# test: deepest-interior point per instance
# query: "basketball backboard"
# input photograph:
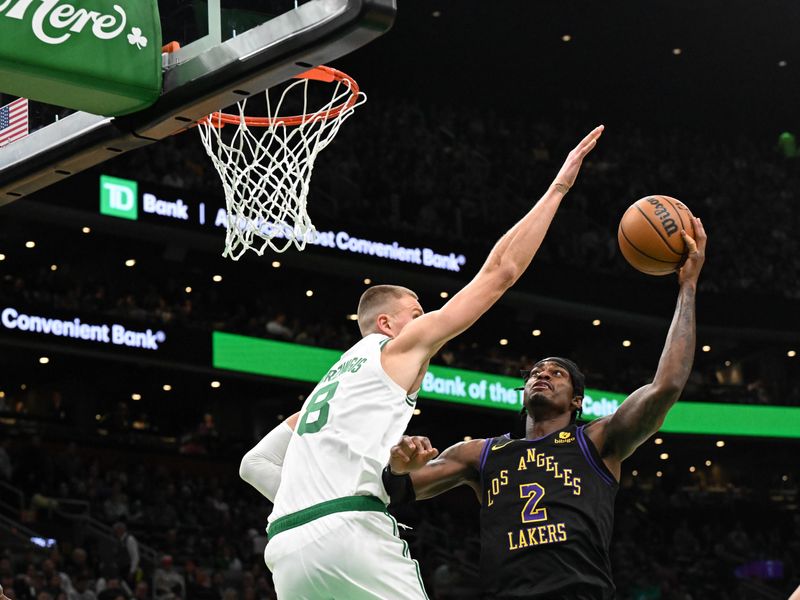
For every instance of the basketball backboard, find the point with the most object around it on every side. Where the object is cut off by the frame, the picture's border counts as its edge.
(229, 49)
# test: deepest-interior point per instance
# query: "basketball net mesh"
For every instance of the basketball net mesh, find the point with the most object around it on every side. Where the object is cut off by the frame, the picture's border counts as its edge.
(266, 166)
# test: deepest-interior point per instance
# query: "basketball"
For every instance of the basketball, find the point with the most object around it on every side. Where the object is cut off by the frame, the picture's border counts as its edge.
(649, 234)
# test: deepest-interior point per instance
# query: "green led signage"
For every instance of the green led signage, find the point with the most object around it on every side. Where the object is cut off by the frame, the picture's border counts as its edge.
(307, 363)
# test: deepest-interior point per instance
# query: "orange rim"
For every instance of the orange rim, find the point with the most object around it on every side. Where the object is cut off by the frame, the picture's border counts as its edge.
(321, 73)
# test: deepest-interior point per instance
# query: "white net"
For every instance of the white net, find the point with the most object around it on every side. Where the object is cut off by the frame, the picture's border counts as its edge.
(266, 164)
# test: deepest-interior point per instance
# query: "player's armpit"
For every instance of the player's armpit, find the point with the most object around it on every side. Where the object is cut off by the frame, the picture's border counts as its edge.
(458, 465)
(637, 418)
(422, 337)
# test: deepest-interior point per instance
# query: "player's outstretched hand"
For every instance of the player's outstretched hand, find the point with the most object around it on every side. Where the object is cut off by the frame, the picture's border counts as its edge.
(569, 170)
(690, 270)
(412, 452)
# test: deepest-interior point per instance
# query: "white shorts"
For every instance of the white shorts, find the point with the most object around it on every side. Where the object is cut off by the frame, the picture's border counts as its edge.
(344, 556)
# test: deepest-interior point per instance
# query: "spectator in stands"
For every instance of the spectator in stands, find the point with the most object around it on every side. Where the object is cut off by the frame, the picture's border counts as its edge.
(168, 584)
(276, 327)
(112, 589)
(81, 589)
(127, 556)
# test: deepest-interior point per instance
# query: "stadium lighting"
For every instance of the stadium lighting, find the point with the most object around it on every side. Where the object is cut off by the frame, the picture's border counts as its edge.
(417, 412)
(130, 262)
(188, 289)
(566, 37)
(626, 343)
(443, 294)
(352, 317)
(436, 14)
(785, 478)
(504, 342)
(659, 473)
(2, 257)
(708, 463)
(276, 264)
(706, 348)
(634, 472)
(536, 332)
(727, 363)
(720, 444)
(87, 230)
(692, 469)
(658, 441)
(2, 394)
(467, 438)
(782, 63)
(677, 51)
(43, 360)
(136, 396)
(663, 456)
(215, 384)
(596, 322)
(54, 267)
(309, 293)
(97, 417)
(367, 281)
(791, 353)
(30, 244)
(167, 387)
(216, 278)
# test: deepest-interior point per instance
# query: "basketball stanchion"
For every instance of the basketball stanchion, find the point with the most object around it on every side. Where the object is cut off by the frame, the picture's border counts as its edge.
(266, 163)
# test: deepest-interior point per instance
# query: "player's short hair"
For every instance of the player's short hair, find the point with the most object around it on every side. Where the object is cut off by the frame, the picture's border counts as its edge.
(376, 300)
(578, 379)
(576, 376)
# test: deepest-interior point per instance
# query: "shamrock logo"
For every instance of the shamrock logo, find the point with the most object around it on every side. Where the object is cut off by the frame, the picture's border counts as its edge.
(136, 38)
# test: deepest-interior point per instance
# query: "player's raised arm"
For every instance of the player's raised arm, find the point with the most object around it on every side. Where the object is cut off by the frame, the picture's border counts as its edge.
(507, 261)
(643, 412)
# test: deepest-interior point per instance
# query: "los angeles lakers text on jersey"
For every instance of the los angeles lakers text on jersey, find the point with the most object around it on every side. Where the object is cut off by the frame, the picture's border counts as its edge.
(546, 503)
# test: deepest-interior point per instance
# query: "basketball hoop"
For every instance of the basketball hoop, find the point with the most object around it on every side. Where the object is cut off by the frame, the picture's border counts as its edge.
(266, 164)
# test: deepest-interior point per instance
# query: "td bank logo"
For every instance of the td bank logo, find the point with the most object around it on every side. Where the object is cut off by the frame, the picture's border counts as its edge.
(119, 197)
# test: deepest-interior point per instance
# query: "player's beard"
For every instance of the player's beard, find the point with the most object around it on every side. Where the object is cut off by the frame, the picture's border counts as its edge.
(537, 400)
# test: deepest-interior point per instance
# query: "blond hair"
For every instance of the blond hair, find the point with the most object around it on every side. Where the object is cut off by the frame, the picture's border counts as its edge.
(376, 300)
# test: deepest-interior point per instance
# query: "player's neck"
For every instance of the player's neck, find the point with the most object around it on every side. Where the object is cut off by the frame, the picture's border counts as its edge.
(542, 426)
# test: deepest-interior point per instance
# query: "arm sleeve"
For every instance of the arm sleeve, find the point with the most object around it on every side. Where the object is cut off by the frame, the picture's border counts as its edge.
(261, 466)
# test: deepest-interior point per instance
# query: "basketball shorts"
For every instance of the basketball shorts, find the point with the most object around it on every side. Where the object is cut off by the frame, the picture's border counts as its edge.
(344, 556)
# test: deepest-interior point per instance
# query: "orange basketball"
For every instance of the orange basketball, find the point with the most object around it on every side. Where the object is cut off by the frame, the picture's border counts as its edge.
(649, 234)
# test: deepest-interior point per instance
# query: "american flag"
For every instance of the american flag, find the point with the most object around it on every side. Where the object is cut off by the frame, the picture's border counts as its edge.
(13, 121)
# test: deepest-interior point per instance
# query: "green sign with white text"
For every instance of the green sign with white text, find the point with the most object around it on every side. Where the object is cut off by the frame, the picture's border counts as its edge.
(98, 56)
(307, 363)
(119, 197)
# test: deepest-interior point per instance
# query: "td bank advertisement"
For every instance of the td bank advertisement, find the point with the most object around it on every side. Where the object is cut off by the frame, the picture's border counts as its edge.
(307, 363)
(128, 199)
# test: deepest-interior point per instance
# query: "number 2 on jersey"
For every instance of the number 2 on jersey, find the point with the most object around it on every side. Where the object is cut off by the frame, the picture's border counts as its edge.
(534, 493)
(316, 414)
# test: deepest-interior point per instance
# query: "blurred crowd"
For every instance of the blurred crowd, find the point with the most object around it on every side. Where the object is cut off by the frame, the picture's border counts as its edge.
(189, 529)
(465, 174)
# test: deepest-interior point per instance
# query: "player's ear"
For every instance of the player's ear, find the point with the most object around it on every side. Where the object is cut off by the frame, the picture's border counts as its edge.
(383, 324)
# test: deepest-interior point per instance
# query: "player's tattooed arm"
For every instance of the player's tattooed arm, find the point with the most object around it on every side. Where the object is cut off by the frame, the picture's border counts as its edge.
(458, 465)
(644, 411)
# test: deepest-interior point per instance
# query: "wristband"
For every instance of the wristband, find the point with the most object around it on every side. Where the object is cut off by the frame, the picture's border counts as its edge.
(399, 487)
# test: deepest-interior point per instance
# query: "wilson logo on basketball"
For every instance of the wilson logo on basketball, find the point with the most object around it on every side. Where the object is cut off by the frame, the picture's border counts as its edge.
(51, 17)
(663, 215)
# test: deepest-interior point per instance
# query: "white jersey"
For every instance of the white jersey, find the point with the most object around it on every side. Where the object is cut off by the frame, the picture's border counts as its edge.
(345, 432)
